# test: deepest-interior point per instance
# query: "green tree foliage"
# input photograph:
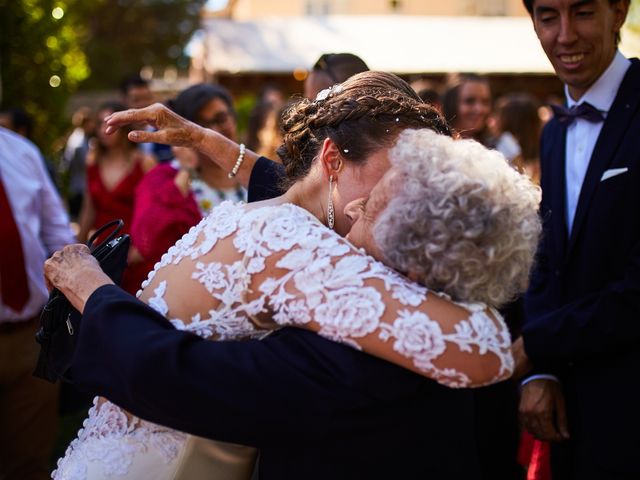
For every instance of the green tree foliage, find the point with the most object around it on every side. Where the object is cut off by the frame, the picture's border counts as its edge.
(41, 61)
(125, 35)
(50, 48)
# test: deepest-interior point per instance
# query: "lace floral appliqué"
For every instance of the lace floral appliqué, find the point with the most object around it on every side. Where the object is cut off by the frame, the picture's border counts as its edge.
(321, 278)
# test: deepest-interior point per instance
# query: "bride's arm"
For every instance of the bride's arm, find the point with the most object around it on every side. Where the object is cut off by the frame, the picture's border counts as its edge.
(300, 274)
(351, 298)
(292, 271)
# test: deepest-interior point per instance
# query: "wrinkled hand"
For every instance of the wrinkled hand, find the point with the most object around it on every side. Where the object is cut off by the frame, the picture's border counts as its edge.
(171, 128)
(542, 410)
(76, 273)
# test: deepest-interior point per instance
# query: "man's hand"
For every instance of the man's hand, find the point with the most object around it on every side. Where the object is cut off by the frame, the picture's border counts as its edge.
(522, 363)
(542, 410)
(76, 273)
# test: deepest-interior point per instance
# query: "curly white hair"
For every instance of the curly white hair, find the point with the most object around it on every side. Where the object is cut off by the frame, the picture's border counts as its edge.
(460, 218)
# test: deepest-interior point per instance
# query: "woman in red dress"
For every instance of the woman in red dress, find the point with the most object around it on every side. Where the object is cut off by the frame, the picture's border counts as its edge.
(115, 166)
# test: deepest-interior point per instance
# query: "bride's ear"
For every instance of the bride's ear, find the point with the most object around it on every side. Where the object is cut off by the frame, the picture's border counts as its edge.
(330, 158)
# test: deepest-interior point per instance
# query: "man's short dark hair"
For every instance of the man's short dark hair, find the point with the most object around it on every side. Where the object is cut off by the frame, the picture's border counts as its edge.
(132, 81)
(528, 4)
(21, 121)
(339, 66)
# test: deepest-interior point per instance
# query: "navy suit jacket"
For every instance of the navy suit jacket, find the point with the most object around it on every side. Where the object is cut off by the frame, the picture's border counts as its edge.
(265, 180)
(583, 306)
(315, 408)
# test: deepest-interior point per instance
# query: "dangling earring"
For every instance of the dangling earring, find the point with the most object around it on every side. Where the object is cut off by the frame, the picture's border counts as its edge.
(330, 211)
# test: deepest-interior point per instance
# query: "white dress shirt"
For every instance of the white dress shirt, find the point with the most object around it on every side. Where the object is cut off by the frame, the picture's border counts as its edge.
(41, 219)
(582, 134)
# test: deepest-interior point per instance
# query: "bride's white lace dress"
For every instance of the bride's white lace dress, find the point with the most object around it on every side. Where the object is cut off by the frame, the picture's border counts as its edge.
(243, 271)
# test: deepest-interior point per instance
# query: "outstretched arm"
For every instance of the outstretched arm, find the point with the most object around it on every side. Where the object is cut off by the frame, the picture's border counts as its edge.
(172, 129)
(353, 299)
(293, 271)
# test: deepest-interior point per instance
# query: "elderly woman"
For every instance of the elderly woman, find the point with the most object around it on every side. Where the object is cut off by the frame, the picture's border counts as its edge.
(434, 222)
(247, 269)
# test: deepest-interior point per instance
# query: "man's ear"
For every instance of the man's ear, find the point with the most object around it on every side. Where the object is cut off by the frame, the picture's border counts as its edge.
(330, 158)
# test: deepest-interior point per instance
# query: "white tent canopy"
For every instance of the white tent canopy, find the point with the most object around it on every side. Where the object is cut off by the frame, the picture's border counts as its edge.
(400, 44)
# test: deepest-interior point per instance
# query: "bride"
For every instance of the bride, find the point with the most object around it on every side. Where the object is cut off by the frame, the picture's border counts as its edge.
(449, 214)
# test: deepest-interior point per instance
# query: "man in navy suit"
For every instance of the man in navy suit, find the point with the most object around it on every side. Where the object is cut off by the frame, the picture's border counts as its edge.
(582, 327)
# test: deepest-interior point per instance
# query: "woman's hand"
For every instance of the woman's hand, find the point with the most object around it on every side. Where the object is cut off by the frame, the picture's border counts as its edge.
(76, 273)
(171, 128)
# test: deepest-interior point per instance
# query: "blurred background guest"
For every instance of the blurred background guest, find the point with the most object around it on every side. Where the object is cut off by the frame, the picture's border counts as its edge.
(332, 68)
(74, 157)
(33, 224)
(273, 94)
(210, 106)
(431, 96)
(467, 105)
(18, 120)
(114, 168)
(174, 196)
(518, 127)
(136, 92)
(263, 130)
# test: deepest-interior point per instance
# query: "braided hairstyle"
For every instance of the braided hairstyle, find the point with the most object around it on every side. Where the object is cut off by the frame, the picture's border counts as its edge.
(366, 113)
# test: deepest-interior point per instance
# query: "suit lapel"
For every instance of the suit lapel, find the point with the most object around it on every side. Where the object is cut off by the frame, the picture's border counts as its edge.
(614, 128)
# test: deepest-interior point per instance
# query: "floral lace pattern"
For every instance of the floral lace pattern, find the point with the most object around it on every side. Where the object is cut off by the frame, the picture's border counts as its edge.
(323, 279)
(112, 440)
(293, 270)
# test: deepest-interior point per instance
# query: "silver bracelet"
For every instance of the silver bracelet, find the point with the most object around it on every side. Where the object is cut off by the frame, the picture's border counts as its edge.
(540, 376)
(236, 167)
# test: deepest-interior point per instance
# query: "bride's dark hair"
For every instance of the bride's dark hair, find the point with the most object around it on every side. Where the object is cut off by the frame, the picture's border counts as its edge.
(362, 115)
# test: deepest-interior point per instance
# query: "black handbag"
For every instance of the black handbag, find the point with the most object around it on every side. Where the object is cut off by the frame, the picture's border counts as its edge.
(59, 321)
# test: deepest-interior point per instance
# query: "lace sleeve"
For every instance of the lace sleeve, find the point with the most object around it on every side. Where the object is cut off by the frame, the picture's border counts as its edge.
(243, 270)
(314, 279)
(201, 283)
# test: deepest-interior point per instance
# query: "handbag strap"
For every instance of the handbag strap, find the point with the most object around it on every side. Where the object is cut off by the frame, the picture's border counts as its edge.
(96, 249)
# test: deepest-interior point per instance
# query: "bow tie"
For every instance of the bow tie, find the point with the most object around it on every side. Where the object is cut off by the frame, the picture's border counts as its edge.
(567, 116)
